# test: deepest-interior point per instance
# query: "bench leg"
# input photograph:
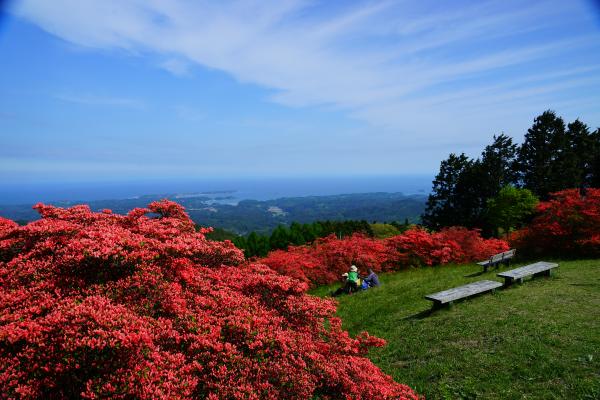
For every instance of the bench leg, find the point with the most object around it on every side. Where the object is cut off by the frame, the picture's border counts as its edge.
(507, 281)
(543, 273)
(520, 281)
(436, 305)
(485, 268)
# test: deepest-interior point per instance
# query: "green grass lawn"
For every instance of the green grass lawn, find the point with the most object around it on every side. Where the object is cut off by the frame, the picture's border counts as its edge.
(538, 340)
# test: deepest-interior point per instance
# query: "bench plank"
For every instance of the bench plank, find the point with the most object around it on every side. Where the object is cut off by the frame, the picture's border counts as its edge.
(531, 269)
(460, 292)
(496, 259)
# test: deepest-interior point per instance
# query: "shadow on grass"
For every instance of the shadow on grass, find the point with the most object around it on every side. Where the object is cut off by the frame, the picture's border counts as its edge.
(479, 273)
(475, 274)
(420, 315)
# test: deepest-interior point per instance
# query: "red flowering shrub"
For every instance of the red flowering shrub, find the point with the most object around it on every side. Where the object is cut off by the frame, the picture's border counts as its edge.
(358, 249)
(451, 245)
(566, 225)
(324, 260)
(472, 246)
(299, 262)
(327, 258)
(419, 247)
(141, 306)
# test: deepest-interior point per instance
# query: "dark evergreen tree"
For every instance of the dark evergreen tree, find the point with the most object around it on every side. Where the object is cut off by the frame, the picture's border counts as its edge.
(220, 234)
(551, 158)
(540, 155)
(568, 161)
(252, 245)
(442, 203)
(241, 243)
(280, 238)
(308, 233)
(577, 172)
(461, 189)
(498, 166)
(469, 199)
(296, 235)
(594, 170)
(318, 229)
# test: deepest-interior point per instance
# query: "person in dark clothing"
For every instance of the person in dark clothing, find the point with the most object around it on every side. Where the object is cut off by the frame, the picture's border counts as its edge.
(342, 289)
(350, 284)
(372, 279)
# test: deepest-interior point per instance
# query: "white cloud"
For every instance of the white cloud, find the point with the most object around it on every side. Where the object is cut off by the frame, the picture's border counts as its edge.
(176, 67)
(110, 101)
(390, 63)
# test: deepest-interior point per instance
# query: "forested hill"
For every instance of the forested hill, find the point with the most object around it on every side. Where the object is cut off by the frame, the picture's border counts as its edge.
(263, 216)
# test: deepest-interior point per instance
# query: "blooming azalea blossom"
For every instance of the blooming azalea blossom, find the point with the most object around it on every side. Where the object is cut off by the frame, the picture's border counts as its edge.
(100, 305)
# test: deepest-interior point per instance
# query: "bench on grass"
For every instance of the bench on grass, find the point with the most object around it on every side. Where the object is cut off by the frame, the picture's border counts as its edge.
(497, 259)
(536, 269)
(449, 296)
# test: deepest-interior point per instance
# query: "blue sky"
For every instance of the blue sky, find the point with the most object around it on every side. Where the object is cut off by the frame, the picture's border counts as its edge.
(117, 90)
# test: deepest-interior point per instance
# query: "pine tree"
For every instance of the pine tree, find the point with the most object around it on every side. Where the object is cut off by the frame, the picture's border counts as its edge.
(252, 245)
(442, 203)
(469, 198)
(296, 235)
(582, 152)
(594, 168)
(542, 147)
(280, 238)
(498, 166)
(308, 233)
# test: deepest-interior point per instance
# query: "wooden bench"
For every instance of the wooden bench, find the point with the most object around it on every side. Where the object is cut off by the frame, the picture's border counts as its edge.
(497, 259)
(536, 269)
(449, 296)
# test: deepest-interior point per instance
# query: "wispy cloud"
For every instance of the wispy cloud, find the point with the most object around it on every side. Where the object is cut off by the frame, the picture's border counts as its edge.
(375, 60)
(176, 67)
(189, 113)
(90, 99)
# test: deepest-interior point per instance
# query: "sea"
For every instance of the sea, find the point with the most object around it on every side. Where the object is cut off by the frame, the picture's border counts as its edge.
(224, 190)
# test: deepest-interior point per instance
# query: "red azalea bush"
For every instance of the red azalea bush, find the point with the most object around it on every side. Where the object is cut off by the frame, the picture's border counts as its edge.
(357, 249)
(324, 261)
(567, 225)
(327, 258)
(98, 305)
(451, 245)
(473, 247)
(299, 262)
(419, 247)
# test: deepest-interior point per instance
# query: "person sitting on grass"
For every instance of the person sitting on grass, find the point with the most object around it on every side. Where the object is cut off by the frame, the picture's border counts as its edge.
(342, 289)
(372, 279)
(353, 280)
(350, 283)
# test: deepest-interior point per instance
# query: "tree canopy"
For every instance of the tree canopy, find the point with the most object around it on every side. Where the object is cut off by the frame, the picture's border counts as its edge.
(552, 157)
(510, 207)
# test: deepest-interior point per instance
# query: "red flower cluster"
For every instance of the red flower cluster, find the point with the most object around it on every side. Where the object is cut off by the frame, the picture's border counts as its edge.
(566, 225)
(324, 260)
(99, 305)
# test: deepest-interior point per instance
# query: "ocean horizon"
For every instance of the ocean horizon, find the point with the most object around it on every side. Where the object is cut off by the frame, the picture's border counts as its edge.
(234, 189)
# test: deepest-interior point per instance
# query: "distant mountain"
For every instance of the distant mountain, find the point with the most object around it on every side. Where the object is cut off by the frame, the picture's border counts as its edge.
(261, 216)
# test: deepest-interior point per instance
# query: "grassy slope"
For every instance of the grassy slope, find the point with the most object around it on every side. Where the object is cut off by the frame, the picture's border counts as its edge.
(539, 340)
